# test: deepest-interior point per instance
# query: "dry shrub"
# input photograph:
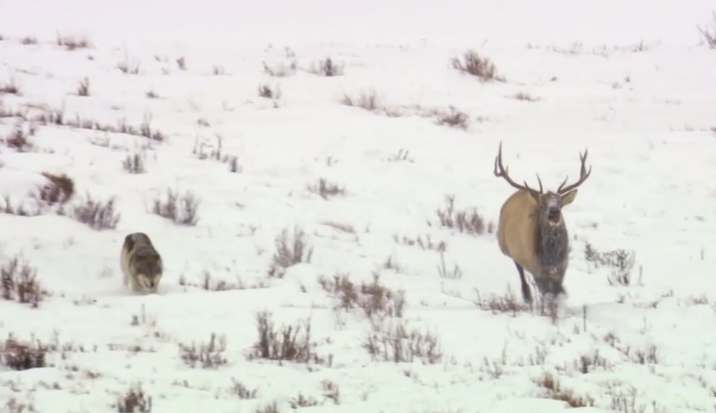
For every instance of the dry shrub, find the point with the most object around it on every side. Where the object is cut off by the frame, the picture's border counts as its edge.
(234, 166)
(281, 69)
(14, 406)
(289, 343)
(302, 401)
(475, 65)
(507, 303)
(379, 301)
(624, 398)
(99, 215)
(144, 129)
(269, 92)
(587, 363)
(694, 300)
(392, 264)
(28, 40)
(73, 42)
(525, 97)
(58, 190)
(347, 228)
(326, 67)
(553, 390)
(12, 112)
(19, 140)
(424, 242)
(18, 282)
(241, 391)
(134, 401)
(375, 299)
(203, 149)
(181, 63)
(208, 284)
(51, 116)
(326, 189)
(11, 87)
(649, 354)
(467, 221)
(619, 261)
(290, 250)
(708, 33)
(394, 342)
(271, 407)
(19, 210)
(454, 119)
(128, 68)
(331, 391)
(454, 274)
(134, 164)
(21, 355)
(181, 209)
(83, 87)
(367, 100)
(402, 155)
(207, 355)
(143, 318)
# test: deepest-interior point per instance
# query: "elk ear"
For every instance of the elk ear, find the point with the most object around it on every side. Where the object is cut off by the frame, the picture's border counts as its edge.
(568, 197)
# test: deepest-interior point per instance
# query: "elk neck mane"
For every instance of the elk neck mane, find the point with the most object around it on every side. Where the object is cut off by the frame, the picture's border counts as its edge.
(551, 242)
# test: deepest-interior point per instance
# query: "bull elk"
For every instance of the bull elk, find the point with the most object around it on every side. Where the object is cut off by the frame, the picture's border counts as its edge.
(532, 231)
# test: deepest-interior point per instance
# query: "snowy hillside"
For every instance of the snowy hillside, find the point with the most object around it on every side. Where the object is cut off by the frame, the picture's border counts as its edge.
(294, 164)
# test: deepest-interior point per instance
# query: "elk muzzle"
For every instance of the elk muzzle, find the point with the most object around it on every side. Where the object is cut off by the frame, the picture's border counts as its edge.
(554, 215)
(549, 286)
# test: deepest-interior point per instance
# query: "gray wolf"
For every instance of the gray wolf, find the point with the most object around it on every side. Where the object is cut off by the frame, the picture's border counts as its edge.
(141, 263)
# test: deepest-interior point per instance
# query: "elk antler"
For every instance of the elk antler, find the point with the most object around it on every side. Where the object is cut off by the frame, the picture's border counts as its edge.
(502, 172)
(583, 175)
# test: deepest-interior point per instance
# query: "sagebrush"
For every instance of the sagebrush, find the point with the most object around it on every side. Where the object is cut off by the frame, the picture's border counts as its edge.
(287, 343)
(19, 282)
(291, 249)
(182, 209)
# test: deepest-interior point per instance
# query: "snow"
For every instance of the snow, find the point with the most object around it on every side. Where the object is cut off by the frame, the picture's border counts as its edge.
(629, 81)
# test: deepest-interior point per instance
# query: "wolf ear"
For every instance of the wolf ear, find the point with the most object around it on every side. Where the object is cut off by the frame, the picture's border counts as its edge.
(129, 242)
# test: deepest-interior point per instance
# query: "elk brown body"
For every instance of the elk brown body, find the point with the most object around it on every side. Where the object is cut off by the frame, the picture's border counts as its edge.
(532, 231)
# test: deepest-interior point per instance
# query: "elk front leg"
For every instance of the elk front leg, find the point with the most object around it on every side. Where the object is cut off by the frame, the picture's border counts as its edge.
(526, 292)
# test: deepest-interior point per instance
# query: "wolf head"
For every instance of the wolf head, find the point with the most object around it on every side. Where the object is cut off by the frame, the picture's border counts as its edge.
(149, 271)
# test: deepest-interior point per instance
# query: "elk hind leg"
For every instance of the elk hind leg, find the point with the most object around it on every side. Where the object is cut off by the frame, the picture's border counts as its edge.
(526, 293)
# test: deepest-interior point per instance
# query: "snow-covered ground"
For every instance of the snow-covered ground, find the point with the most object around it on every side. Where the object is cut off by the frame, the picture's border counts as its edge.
(628, 80)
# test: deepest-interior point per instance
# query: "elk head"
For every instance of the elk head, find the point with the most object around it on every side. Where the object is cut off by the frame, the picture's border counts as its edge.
(549, 204)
